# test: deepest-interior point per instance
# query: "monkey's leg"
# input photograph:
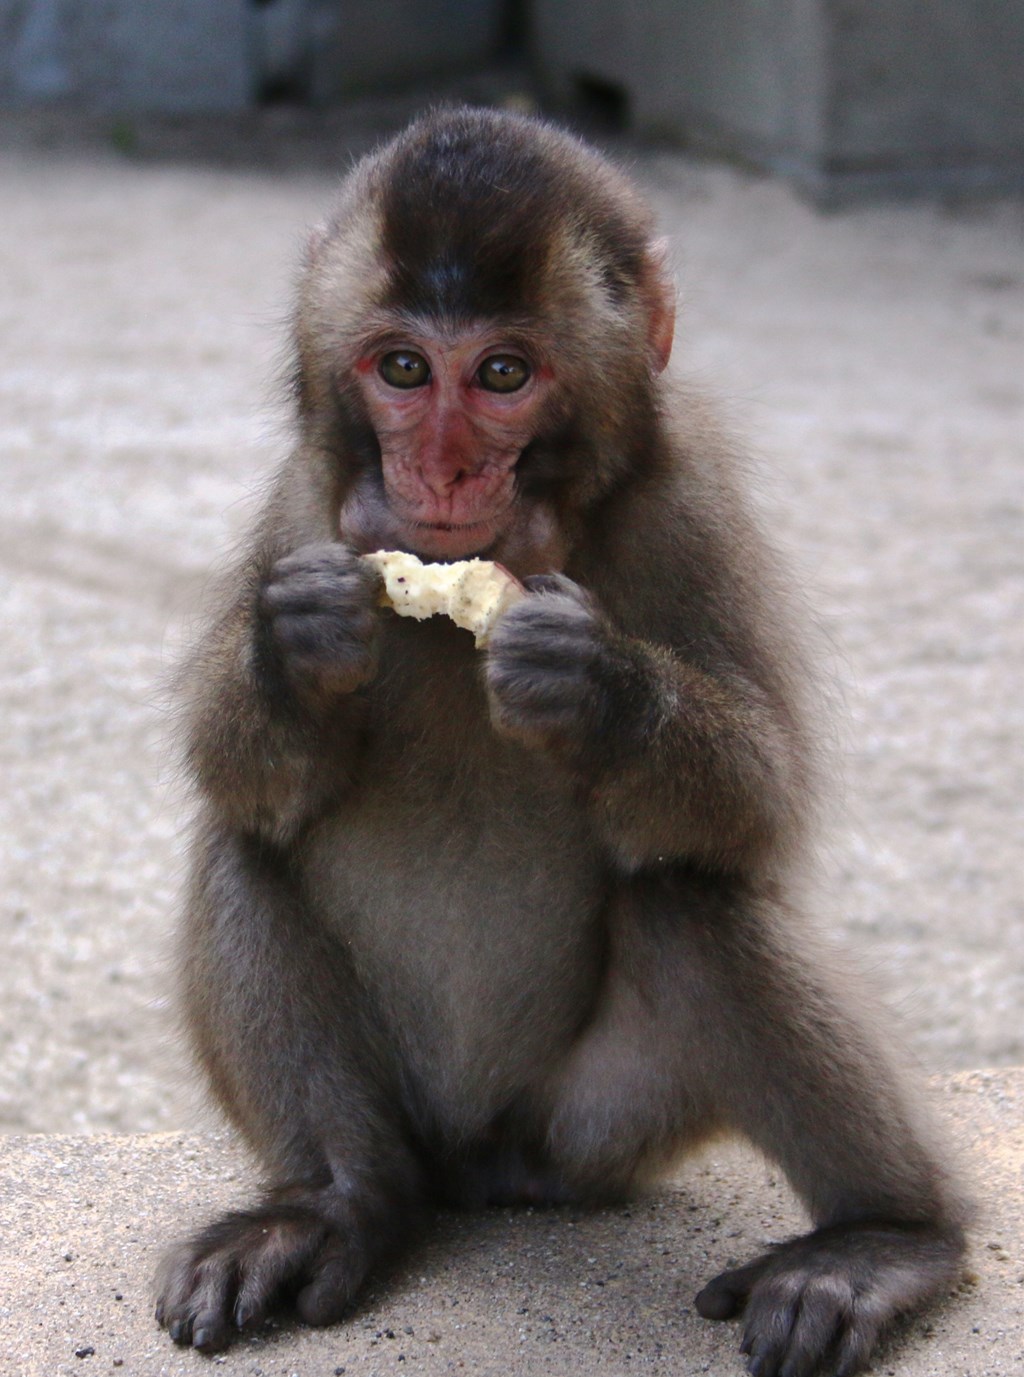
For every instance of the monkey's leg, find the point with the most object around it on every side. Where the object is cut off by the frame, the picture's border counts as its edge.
(714, 1016)
(303, 1073)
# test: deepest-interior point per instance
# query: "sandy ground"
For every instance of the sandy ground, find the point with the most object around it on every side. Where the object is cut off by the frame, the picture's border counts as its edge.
(875, 359)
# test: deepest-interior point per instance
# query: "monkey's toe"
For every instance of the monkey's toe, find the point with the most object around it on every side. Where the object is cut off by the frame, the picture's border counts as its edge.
(725, 1296)
(230, 1277)
(793, 1324)
(328, 1296)
(194, 1304)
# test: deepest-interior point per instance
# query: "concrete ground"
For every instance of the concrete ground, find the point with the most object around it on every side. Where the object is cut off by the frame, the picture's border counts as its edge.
(504, 1294)
(874, 358)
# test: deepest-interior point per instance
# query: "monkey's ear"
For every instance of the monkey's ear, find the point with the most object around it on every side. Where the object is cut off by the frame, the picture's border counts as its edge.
(316, 238)
(659, 293)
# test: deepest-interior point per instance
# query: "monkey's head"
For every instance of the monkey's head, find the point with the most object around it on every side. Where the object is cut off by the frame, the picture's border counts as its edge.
(479, 327)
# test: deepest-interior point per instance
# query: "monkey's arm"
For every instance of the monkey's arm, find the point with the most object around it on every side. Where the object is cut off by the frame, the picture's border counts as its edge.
(677, 760)
(272, 692)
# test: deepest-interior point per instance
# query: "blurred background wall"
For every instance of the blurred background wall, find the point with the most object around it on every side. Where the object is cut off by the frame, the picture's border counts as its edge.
(842, 96)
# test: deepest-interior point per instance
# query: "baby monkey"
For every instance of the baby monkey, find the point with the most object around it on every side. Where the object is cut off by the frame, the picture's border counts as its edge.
(518, 923)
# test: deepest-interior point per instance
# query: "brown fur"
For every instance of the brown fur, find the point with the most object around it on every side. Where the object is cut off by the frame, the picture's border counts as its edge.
(519, 926)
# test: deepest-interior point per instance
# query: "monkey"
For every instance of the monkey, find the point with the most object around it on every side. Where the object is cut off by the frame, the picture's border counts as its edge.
(521, 924)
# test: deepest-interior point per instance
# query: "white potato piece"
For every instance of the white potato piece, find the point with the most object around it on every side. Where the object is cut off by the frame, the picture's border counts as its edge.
(472, 592)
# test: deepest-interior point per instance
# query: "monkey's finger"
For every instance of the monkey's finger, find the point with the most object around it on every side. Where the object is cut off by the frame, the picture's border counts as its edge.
(555, 657)
(858, 1339)
(767, 1334)
(264, 1278)
(315, 591)
(325, 556)
(539, 648)
(538, 689)
(551, 610)
(539, 651)
(320, 635)
(337, 1275)
(206, 1323)
(725, 1296)
(174, 1310)
(282, 1253)
(211, 1332)
(794, 1321)
(557, 585)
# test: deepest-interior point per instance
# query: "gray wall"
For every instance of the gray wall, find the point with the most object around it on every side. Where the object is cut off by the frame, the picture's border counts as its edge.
(220, 55)
(171, 55)
(841, 94)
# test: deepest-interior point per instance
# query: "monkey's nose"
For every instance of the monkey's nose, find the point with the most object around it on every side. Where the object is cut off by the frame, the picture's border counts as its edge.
(442, 475)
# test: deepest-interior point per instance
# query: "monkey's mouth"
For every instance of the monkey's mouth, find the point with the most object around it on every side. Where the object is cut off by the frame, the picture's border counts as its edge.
(455, 539)
(459, 539)
(457, 527)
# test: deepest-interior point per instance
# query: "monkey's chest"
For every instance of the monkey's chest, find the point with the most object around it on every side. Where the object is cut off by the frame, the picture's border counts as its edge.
(465, 882)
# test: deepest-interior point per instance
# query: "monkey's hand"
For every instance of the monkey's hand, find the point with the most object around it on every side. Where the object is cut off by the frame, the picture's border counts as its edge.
(677, 762)
(550, 666)
(819, 1304)
(317, 623)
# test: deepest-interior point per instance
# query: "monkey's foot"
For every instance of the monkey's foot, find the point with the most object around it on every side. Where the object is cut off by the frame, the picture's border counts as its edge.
(230, 1276)
(819, 1304)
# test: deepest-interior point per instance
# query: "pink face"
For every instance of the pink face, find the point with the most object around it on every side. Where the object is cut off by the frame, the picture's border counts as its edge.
(452, 417)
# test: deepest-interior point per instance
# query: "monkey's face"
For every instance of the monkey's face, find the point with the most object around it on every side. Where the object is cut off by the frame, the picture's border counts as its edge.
(478, 331)
(452, 413)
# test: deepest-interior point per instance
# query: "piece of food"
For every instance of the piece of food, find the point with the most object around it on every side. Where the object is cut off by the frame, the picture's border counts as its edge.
(472, 592)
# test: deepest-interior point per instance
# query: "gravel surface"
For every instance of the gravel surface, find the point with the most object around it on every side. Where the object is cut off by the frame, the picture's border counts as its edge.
(875, 358)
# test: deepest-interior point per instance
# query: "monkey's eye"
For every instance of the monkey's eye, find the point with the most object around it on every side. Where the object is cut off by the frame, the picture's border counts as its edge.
(403, 368)
(503, 373)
